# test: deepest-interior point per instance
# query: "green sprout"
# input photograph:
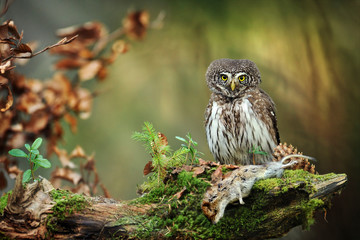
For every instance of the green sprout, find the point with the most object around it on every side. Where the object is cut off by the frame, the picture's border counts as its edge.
(34, 158)
(163, 158)
(256, 150)
(190, 145)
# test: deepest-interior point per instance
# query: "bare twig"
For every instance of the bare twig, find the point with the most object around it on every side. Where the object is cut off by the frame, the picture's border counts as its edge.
(63, 41)
(103, 42)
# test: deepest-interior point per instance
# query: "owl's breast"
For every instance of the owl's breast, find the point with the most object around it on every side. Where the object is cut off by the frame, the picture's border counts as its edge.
(220, 131)
(233, 129)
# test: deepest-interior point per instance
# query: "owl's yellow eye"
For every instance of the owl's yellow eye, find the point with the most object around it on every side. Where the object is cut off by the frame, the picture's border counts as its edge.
(242, 78)
(224, 77)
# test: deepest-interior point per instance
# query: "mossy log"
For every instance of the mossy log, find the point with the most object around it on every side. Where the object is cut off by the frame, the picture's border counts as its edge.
(172, 211)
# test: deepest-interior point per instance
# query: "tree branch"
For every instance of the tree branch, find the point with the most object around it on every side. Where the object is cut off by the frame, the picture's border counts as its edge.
(40, 212)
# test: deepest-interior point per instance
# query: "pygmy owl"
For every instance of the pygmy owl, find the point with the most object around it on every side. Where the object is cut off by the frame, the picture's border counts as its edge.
(240, 118)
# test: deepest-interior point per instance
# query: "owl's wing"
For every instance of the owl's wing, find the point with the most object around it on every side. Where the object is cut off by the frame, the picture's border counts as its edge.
(208, 109)
(265, 108)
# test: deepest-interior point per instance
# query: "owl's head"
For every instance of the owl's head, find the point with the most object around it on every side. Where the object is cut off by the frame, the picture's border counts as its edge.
(230, 77)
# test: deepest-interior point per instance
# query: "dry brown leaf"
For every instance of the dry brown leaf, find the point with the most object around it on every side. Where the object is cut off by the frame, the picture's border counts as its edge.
(70, 63)
(217, 175)
(148, 168)
(180, 193)
(87, 33)
(163, 139)
(16, 140)
(34, 85)
(75, 50)
(5, 66)
(6, 97)
(22, 48)
(5, 119)
(136, 23)
(38, 121)
(208, 163)
(90, 166)
(82, 188)
(18, 127)
(89, 70)
(66, 174)
(81, 102)
(231, 166)
(78, 152)
(64, 158)
(12, 29)
(8, 30)
(30, 102)
(13, 171)
(198, 170)
(72, 121)
(102, 73)
(202, 161)
(22, 61)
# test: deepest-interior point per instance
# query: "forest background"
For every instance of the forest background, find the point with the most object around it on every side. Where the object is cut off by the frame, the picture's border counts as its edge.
(307, 53)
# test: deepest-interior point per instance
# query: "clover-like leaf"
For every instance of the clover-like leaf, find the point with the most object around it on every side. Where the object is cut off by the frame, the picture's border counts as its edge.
(17, 153)
(36, 143)
(26, 176)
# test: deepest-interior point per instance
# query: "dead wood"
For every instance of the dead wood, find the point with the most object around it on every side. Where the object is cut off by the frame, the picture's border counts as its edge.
(29, 213)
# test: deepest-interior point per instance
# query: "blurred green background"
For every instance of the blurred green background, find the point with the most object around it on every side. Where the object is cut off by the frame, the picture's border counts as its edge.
(307, 53)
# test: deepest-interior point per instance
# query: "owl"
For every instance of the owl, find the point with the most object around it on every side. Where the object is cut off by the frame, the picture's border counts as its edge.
(240, 118)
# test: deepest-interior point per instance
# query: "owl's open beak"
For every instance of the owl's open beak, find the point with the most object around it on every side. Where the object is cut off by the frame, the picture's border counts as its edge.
(232, 84)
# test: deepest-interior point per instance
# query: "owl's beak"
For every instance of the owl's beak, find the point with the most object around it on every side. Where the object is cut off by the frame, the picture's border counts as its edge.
(232, 84)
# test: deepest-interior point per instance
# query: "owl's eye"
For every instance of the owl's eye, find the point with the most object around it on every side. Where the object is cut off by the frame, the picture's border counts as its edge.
(242, 78)
(224, 77)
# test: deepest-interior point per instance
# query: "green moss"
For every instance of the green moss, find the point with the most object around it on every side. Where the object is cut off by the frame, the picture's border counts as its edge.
(268, 184)
(308, 208)
(291, 178)
(66, 204)
(3, 201)
(184, 218)
(175, 215)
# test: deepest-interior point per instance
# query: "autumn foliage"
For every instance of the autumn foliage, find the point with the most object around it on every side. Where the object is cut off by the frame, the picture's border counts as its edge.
(30, 108)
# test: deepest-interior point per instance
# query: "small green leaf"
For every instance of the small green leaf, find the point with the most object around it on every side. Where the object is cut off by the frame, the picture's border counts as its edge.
(17, 153)
(34, 151)
(26, 176)
(27, 146)
(36, 143)
(43, 162)
(36, 166)
(181, 139)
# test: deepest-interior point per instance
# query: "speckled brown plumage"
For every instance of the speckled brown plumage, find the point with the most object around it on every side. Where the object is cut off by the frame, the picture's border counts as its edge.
(239, 115)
